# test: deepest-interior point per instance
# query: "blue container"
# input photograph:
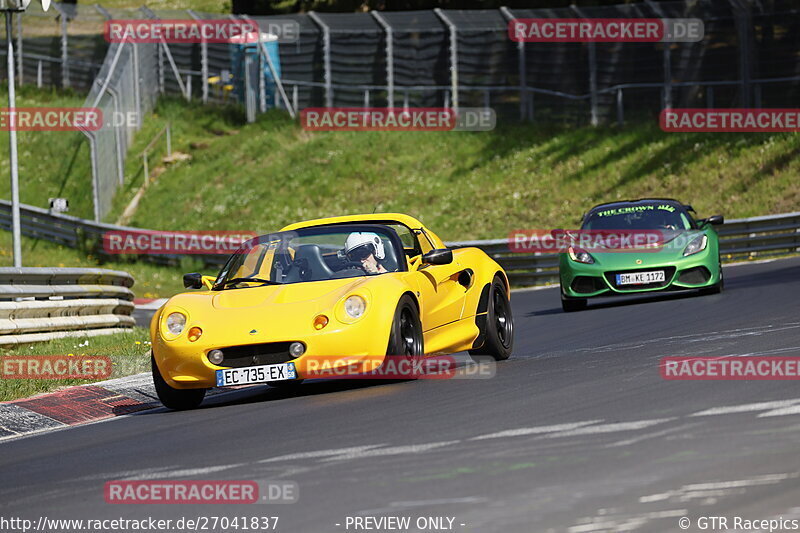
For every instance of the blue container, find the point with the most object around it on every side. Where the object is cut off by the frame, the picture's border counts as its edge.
(244, 50)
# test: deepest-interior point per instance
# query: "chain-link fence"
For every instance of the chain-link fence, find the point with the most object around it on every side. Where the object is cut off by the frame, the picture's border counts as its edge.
(749, 57)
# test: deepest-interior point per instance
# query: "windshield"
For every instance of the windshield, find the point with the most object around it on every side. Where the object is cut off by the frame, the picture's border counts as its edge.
(638, 217)
(313, 254)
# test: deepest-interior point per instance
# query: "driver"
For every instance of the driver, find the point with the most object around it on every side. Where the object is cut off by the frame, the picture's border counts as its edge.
(367, 249)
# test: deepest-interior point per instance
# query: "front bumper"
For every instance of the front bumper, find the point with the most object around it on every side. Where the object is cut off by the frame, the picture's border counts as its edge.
(579, 280)
(184, 364)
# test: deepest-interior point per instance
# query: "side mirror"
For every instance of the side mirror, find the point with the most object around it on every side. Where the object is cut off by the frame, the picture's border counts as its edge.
(193, 281)
(714, 220)
(442, 256)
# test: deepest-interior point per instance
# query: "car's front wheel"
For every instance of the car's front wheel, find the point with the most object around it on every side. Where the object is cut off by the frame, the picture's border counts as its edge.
(499, 336)
(405, 337)
(716, 288)
(176, 399)
(570, 305)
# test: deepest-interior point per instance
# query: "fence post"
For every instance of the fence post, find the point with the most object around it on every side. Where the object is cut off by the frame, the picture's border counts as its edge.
(522, 66)
(326, 51)
(620, 109)
(39, 80)
(389, 57)
(744, 22)
(667, 59)
(595, 117)
(65, 82)
(453, 56)
(95, 184)
(203, 58)
(295, 97)
(18, 51)
(118, 137)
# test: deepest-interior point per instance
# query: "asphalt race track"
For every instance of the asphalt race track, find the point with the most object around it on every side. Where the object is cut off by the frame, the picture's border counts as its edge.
(576, 432)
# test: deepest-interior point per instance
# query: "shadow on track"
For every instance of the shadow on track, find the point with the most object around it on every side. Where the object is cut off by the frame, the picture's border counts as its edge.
(622, 301)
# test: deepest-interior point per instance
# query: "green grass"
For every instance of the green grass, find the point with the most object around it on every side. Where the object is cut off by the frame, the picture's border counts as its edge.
(129, 352)
(463, 185)
(201, 6)
(262, 176)
(51, 163)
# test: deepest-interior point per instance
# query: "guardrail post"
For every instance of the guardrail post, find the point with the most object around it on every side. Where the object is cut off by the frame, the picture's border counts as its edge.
(387, 28)
(326, 52)
(453, 56)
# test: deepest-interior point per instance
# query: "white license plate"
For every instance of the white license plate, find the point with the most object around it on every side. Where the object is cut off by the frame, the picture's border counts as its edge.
(255, 374)
(640, 278)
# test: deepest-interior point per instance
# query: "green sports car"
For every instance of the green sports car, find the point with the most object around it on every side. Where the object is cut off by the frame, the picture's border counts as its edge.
(678, 252)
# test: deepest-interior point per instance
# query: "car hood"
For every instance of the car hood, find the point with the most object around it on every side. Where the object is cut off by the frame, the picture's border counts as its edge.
(668, 248)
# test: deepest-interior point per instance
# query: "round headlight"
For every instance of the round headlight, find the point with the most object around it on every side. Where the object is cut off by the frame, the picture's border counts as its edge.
(355, 306)
(176, 322)
(296, 349)
(215, 356)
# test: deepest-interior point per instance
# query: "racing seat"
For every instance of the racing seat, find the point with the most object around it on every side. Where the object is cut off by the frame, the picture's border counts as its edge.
(308, 265)
(390, 261)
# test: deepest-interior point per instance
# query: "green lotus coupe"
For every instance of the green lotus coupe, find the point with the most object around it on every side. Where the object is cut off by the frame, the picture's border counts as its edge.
(672, 251)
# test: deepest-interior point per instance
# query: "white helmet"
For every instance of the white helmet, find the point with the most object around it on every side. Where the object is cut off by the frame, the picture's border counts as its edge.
(358, 239)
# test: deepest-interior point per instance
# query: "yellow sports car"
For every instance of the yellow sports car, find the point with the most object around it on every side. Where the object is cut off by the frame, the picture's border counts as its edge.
(355, 287)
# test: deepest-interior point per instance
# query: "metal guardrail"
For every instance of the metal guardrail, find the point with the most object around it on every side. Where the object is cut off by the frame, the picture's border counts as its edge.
(38, 304)
(739, 239)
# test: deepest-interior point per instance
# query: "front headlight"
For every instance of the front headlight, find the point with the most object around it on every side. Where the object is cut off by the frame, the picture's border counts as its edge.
(355, 306)
(176, 322)
(580, 256)
(698, 244)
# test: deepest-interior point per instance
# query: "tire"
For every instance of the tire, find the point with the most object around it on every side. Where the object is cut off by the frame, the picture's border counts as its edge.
(715, 289)
(175, 399)
(499, 335)
(405, 337)
(570, 305)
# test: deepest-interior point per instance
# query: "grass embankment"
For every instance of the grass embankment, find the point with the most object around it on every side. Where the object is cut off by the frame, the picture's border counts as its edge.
(261, 176)
(129, 352)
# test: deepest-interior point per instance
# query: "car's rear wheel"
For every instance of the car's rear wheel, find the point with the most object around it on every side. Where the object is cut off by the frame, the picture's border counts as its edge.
(405, 337)
(499, 335)
(176, 399)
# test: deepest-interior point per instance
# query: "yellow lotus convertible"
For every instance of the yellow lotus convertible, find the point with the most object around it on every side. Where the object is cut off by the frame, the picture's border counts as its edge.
(355, 288)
